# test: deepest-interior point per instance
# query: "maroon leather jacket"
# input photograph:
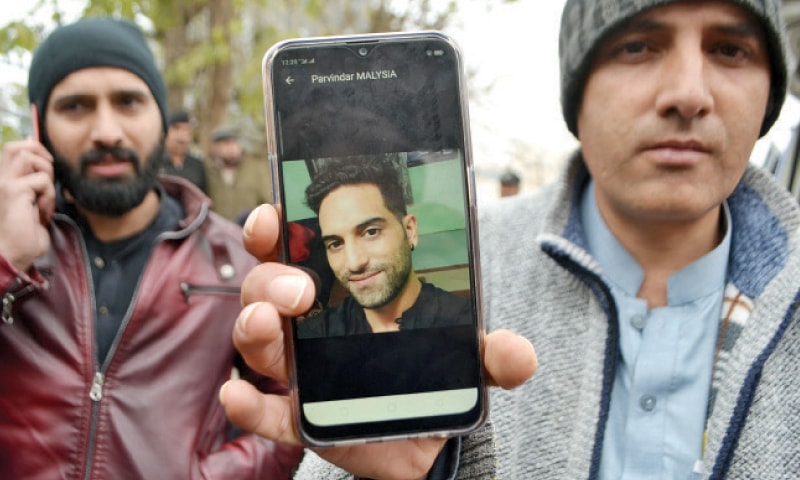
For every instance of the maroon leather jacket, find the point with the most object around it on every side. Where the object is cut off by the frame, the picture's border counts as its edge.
(151, 411)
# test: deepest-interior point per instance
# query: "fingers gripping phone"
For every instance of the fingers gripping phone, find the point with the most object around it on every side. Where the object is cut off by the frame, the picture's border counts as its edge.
(369, 143)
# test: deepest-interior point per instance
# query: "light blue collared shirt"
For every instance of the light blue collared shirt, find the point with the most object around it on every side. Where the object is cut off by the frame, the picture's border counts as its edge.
(663, 376)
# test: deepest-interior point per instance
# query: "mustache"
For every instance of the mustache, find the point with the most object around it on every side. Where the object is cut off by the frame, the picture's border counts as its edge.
(367, 269)
(117, 153)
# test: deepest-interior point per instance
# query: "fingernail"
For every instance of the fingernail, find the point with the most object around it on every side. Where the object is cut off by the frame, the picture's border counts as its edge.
(222, 392)
(288, 287)
(250, 222)
(244, 317)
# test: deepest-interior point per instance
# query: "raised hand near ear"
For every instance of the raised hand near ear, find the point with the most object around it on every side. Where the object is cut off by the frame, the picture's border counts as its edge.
(27, 202)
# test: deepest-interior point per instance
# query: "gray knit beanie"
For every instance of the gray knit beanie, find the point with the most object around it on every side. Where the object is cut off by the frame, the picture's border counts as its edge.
(586, 23)
(93, 42)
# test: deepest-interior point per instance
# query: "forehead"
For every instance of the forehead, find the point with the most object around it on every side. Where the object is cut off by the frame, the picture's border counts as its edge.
(712, 15)
(352, 204)
(99, 81)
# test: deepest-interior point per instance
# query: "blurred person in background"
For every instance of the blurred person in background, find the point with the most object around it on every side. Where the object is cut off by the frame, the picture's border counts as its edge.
(236, 183)
(179, 160)
(509, 184)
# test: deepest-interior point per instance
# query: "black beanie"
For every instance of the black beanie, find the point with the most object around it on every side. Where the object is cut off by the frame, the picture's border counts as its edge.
(586, 23)
(93, 42)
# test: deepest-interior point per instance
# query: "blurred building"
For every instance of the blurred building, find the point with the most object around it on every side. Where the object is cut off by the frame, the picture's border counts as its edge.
(785, 164)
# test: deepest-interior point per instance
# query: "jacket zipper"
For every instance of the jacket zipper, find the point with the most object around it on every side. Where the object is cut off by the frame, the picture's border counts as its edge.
(98, 381)
(96, 390)
(598, 287)
(8, 302)
(189, 289)
(8, 308)
(95, 394)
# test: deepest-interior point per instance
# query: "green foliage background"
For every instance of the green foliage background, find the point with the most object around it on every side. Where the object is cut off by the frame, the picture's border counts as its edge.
(211, 50)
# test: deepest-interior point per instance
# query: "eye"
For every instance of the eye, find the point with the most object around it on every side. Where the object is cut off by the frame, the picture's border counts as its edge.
(130, 100)
(731, 51)
(632, 50)
(72, 106)
(631, 47)
(372, 232)
(333, 245)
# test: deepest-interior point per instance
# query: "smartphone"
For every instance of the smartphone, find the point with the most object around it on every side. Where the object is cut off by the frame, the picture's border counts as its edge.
(35, 135)
(369, 145)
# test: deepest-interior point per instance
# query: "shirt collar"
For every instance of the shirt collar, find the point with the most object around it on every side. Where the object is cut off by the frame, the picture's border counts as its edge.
(696, 280)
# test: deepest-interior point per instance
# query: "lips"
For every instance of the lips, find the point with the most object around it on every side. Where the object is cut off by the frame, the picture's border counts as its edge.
(677, 152)
(362, 277)
(109, 166)
(109, 162)
(682, 145)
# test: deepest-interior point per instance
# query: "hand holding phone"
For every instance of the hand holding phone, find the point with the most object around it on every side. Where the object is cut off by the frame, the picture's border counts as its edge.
(369, 142)
(273, 290)
(27, 199)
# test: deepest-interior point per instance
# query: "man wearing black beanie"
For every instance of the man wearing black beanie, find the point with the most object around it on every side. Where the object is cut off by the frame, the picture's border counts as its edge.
(94, 42)
(658, 278)
(119, 288)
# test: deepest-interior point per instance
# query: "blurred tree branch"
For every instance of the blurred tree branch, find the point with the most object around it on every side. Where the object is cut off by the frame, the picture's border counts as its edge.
(211, 50)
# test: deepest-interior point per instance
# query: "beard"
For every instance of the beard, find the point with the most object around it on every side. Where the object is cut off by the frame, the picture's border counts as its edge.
(109, 196)
(397, 270)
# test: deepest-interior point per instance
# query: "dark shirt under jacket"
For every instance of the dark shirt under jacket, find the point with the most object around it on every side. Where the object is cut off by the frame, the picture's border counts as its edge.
(193, 169)
(117, 266)
(434, 308)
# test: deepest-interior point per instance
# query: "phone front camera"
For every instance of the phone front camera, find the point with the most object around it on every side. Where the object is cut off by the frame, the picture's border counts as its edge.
(363, 51)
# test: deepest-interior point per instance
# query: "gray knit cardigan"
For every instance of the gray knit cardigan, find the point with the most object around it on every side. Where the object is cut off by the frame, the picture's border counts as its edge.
(541, 282)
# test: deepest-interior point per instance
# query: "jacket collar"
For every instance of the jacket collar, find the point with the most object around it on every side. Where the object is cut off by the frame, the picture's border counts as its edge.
(195, 203)
(765, 218)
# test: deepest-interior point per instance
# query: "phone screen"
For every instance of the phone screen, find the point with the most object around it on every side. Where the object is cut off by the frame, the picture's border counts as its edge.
(373, 175)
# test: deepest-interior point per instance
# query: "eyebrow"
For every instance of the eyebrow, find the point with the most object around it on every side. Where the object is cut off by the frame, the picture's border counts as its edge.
(737, 28)
(740, 29)
(69, 98)
(125, 92)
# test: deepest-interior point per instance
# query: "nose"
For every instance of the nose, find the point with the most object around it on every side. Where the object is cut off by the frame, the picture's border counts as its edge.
(685, 87)
(355, 257)
(106, 129)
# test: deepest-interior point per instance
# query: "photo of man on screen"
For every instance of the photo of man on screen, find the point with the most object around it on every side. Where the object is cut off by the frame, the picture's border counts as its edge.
(368, 236)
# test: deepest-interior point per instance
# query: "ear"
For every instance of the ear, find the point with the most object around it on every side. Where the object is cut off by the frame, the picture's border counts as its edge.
(410, 225)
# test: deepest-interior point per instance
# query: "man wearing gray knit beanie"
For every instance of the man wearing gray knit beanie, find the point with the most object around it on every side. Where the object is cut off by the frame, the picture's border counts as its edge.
(657, 279)
(119, 287)
(662, 295)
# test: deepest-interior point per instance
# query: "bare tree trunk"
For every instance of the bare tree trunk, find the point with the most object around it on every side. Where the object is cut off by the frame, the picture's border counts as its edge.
(218, 86)
(171, 32)
(176, 48)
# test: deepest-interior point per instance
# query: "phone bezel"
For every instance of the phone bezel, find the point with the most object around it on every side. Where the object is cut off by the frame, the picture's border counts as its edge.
(367, 41)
